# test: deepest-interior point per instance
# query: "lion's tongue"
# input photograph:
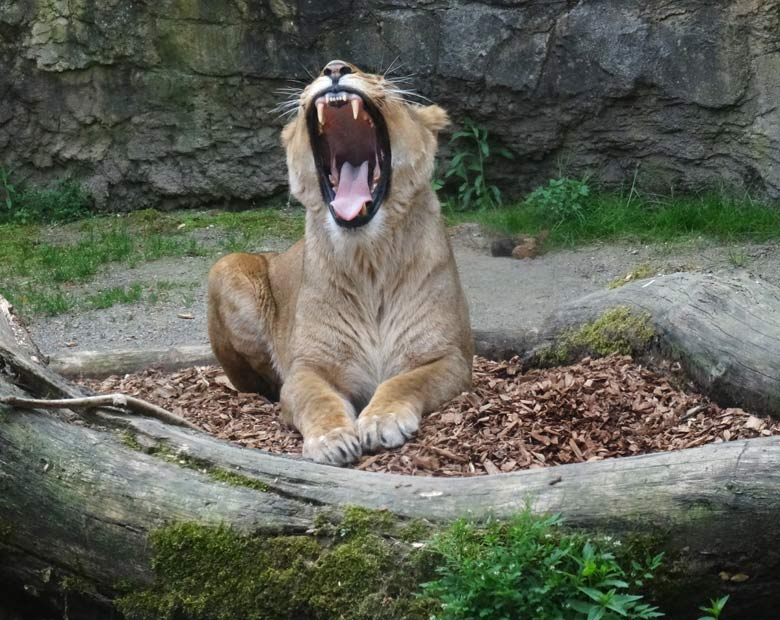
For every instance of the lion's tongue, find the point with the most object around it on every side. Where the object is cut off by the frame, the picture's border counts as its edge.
(353, 191)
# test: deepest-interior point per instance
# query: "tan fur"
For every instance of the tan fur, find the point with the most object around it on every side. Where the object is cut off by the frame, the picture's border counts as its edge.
(361, 331)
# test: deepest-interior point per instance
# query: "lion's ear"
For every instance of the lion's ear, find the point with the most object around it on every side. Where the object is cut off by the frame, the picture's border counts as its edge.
(433, 117)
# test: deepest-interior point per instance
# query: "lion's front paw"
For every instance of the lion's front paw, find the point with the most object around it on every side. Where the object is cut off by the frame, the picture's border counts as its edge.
(337, 447)
(386, 429)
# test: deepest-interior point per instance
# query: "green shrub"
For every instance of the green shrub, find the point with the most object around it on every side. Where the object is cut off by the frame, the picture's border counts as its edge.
(562, 199)
(528, 568)
(66, 201)
(715, 609)
(472, 155)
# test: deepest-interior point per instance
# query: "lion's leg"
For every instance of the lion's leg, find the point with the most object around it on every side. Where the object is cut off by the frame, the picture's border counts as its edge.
(393, 414)
(323, 417)
(241, 316)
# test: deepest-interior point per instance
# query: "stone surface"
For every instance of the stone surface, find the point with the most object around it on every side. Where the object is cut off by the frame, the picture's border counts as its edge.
(171, 103)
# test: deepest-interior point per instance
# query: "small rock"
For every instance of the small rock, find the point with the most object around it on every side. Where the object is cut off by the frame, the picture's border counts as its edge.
(528, 247)
(502, 247)
(183, 315)
(71, 343)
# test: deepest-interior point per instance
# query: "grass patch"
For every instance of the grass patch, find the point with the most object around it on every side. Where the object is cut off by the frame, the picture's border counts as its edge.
(258, 223)
(576, 217)
(39, 266)
(66, 201)
(115, 295)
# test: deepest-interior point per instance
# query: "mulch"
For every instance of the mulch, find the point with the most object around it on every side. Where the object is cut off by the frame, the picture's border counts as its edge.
(593, 410)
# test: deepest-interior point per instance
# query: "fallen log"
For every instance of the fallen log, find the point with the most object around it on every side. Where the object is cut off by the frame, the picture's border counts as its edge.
(97, 364)
(80, 494)
(724, 331)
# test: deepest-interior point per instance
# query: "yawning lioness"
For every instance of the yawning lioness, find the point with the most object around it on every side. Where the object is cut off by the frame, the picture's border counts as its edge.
(361, 327)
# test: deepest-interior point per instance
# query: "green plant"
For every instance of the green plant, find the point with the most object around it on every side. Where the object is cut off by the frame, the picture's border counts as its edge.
(472, 155)
(530, 568)
(115, 295)
(9, 192)
(738, 257)
(715, 609)
(564, 199)
(66, 201)
(646, 218)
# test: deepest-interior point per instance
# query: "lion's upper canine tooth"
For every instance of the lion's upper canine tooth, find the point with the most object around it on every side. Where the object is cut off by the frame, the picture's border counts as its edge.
(355, 108)
(321, 112)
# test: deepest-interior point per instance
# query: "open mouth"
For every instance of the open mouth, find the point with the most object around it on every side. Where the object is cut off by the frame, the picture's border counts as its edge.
(352, 151)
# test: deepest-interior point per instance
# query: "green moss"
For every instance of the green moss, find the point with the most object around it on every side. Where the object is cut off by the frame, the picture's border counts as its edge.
(237, 480)
(181, 459)
(416, 530)
(359, 521)
(129, 440)
(219, 573)
(641, 272)
(619, 330)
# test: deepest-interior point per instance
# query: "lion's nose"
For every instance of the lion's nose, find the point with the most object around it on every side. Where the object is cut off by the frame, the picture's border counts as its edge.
(335, 69)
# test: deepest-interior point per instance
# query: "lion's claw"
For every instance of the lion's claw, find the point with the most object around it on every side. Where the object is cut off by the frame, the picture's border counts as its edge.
(337, 447)
(386, 430)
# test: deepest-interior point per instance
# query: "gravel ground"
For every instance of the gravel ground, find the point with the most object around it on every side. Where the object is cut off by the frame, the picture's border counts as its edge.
(503, 293)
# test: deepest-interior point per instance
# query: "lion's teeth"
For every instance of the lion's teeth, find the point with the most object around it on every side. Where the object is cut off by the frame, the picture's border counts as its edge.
(321, 112)
(363, 210)
(355, 108)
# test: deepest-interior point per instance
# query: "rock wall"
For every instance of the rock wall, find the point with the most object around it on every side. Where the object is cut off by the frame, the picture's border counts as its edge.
(170, 102)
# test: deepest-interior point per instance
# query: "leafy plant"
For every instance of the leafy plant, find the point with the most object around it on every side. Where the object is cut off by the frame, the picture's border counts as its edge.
(472, 155)
(715, 609)
(9, 190)
(66, 201)
(563, 198)
(530, 568)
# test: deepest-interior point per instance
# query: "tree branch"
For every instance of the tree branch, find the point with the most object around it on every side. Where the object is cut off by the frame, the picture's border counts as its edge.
(122, 401)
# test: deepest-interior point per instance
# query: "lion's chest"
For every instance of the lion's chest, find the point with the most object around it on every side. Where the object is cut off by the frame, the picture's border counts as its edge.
(390, 338)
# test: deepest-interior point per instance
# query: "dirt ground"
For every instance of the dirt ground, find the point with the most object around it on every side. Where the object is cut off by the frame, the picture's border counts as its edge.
(503, 293)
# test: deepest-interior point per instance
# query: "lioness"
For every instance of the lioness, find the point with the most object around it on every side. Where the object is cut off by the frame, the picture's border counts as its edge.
(361, 327)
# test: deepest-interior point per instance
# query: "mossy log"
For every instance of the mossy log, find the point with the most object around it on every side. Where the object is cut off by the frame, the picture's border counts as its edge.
(81, 493)
(724, 331)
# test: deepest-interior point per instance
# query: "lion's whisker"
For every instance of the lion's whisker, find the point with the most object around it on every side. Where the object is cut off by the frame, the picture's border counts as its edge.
(401, 95)
(392, 66)
(309, 73)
